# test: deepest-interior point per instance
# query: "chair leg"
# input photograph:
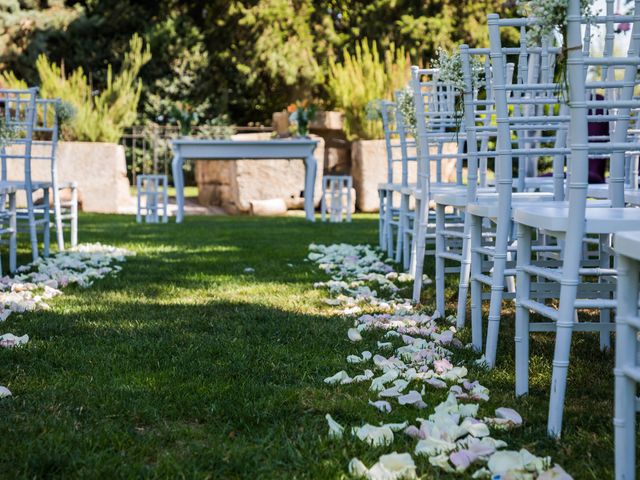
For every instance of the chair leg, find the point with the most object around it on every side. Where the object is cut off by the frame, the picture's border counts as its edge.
(497, 290)
(57, 213)
(522, 314)
(388, 218)
(476, 285)
(46, 225)
(349, 187)
(624, 421)
(605, 313)
(465, 272)
(13, 238)
(381, 220)
(74, 216)
(33, 233)
(440, 262)
(419, 233)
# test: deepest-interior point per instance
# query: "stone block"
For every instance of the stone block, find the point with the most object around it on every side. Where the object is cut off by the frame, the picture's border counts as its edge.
(239, 182)
(99, 169)
(369, 169)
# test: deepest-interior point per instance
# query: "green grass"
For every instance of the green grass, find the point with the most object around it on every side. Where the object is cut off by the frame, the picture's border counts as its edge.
(185, 367)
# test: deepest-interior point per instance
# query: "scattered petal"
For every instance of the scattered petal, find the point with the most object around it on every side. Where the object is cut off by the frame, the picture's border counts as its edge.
(335, 429)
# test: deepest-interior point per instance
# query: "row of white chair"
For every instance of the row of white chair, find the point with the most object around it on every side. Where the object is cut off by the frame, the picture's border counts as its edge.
(547, 233)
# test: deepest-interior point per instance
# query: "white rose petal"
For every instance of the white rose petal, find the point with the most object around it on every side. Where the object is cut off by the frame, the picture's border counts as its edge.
(354, 335)
(373, 435)
(335, 429)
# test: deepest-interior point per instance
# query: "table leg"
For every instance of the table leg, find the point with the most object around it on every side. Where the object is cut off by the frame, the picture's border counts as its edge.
(178, 182)
(310, 186)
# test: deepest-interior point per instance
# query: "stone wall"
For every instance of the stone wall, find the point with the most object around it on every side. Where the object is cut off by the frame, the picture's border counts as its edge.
(99, 169)
(233, 184)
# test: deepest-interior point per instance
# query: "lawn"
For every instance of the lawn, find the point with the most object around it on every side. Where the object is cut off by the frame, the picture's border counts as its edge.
(185, 366)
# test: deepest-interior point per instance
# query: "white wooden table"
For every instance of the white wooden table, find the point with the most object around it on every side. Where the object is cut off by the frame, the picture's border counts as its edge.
(203, 149)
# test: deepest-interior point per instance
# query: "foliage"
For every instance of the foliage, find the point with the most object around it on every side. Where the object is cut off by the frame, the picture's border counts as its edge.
(363, 77)
(301, 113)
(247, 58)
(99, 116)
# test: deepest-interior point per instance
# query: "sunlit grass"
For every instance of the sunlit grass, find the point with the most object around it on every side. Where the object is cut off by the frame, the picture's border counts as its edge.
(186, 366)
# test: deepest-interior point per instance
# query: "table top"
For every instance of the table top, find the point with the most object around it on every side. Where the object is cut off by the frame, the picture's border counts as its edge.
(208, 149)
(244, 143)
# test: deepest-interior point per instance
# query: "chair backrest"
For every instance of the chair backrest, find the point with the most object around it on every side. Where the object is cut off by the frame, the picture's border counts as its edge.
(46, 130)
(617, 83)
(479, 116)
(388, 113)
(18, 109)
(531, 117)
(406, 137)
(437, 124)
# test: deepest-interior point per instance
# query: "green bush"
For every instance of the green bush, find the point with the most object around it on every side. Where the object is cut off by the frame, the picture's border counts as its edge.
(102, 116)
(362, 78)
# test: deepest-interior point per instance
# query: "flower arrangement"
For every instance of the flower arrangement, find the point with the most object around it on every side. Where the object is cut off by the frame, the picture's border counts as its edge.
(8, 133)
(551, 15)
(185, 116)
(405, 106)
(301, 113)
(65, 112)
(450, 69)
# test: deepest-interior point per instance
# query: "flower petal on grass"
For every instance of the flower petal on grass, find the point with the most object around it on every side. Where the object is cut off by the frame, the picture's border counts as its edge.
(374, 436)
(555, 473)
(339, 377)
(9, 340)
(4, 392)
(394, 466)
(354, 335)
(358, 469)
(509, 414)
(381, 405)
(335, 429)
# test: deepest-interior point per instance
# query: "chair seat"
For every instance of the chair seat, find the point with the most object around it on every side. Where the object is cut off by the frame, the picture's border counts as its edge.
(632, 197)
(487, 204)
(628, 244)
(456, 198)
(537, 183)
(438, 188)
(599, 219)
(390, 187)
(21, 185)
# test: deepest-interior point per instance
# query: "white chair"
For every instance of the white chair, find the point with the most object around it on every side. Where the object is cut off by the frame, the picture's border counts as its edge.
(571, 221)
(531, 123)
(452, 244)
(388, 212)
(18, 108)
(627, 369)
(45, 148)
(153, 198)
(8, 225)
(438, 125)
(397, 220)
(336, 198)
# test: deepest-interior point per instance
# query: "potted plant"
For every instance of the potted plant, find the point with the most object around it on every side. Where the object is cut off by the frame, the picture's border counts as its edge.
(300, 115)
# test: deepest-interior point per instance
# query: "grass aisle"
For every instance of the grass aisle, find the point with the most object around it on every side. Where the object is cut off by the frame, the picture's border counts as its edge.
(185, 366)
